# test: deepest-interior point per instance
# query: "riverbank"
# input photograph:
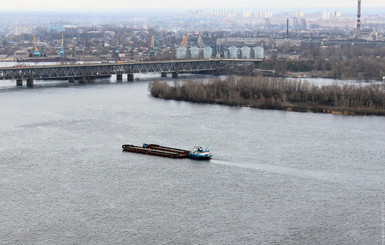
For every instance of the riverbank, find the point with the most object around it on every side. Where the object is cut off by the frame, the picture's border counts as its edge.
(277, 94)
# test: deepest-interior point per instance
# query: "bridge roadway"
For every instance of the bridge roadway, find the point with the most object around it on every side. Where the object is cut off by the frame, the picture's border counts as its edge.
(87, 72)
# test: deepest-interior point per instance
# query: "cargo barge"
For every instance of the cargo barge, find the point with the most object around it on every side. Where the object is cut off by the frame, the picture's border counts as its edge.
(152, 149)
(157, 150)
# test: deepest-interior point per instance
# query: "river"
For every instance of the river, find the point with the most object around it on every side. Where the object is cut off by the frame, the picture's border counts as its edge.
(276, 177)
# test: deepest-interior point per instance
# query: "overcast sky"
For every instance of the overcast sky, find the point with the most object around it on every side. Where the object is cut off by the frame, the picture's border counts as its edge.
(36, 5)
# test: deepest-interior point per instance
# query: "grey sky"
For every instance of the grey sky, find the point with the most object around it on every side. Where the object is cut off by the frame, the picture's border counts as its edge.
(126, 4)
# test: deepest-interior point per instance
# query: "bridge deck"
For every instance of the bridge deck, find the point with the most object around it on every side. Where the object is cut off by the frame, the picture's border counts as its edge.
(106, 69)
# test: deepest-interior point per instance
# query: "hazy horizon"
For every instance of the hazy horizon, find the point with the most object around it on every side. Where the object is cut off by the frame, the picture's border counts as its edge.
(114, 5)
(139, 11)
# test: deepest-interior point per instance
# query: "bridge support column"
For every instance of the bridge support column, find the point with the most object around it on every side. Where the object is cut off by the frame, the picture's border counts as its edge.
(119, 77)
(163, 74)
(175, 75)
(83, 80)
(130, 77)
(71, 79)
(30, 82)
(19, 82)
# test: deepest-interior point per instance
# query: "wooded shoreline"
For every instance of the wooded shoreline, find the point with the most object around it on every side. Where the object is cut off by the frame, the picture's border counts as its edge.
(277, 94)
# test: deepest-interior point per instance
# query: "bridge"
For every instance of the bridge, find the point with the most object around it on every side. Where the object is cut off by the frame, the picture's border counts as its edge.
(87, 72)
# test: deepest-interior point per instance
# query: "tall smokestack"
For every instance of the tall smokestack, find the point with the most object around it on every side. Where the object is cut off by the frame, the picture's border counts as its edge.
(358, 34)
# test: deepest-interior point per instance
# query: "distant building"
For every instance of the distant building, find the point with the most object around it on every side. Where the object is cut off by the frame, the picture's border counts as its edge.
(246, 14)
(56, 28)
(302, 24)
(298, 14)
(264, 14)
(331, 15)
(195, 12)
(21, 54)
(223, 13)
(325, 15)
(299, 23)
(19, 30)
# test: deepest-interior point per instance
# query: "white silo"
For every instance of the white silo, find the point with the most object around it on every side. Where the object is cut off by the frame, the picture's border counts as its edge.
(181, 53)
(207, 52)
(194, 52)
(259, 52)
(245, 52)
(233, 52)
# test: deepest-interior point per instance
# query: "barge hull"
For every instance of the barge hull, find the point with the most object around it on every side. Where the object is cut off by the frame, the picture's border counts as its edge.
(165, 148)
(155, 152)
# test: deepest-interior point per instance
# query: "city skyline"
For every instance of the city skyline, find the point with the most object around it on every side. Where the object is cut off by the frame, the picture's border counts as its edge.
(46, 5)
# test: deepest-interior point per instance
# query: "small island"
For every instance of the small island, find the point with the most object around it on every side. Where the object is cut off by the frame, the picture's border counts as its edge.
(277, 94)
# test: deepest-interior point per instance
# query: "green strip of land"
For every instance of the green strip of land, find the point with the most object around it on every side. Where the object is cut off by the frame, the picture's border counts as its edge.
(278, 94)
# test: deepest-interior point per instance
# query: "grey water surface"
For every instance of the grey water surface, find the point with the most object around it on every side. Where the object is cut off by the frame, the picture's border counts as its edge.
(275, 178)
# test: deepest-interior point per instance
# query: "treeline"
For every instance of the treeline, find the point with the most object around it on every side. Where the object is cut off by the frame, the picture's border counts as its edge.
(275, 93)
(359, 68)
(343, 62)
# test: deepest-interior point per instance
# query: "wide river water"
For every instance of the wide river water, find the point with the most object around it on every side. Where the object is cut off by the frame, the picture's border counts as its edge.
(275, 178)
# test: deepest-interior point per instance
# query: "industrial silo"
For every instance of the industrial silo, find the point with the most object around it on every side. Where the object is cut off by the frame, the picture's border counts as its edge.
(245, 52)
(181, 53)
(259, 53)
(207, 52)
(233, 52)
(194, 52)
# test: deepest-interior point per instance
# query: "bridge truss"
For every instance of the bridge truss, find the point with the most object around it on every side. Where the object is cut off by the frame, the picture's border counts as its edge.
(98, 69)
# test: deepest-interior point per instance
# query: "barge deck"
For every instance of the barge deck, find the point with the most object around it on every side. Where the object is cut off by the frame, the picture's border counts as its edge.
(157, 150)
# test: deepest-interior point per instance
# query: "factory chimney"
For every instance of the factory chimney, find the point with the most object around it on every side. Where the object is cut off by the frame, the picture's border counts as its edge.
(358, 34)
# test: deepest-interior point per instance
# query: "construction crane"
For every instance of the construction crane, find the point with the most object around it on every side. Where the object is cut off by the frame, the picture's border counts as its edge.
(184, 41)
(61, 52)
(36, 52)
(73, 49)
(201, 44)
(152, 46)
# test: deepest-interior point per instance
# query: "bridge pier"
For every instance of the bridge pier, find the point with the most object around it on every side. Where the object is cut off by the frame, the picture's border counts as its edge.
(130, 77)
(71, 79)
(84, 79)
(163, 74)
(30, 82)
(119, 77)
(19, 82)
(175, 75)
